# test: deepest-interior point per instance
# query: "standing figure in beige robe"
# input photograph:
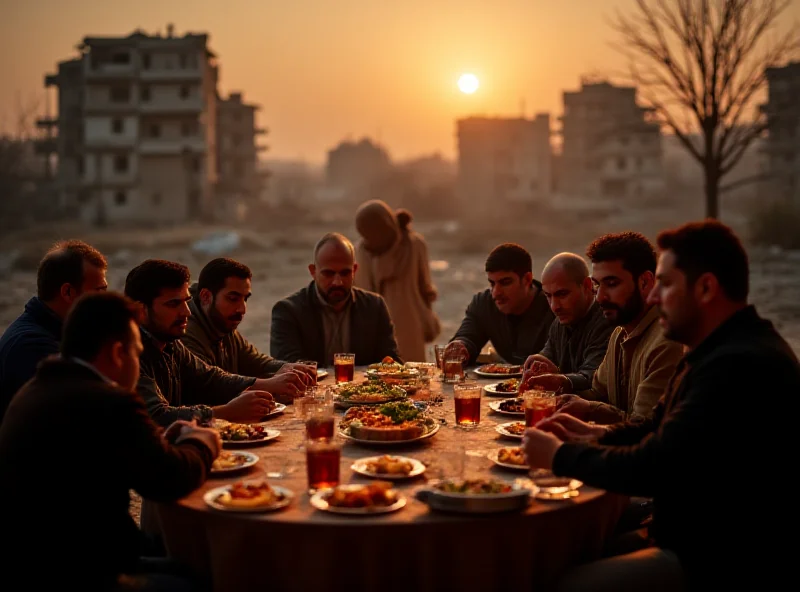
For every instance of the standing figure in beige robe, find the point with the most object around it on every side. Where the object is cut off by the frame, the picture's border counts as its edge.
(393, 261)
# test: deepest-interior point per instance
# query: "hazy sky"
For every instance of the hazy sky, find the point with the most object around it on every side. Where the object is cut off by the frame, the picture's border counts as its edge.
(324, 70)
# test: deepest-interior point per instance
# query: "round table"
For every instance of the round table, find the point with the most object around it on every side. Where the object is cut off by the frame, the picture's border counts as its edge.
(300, 548)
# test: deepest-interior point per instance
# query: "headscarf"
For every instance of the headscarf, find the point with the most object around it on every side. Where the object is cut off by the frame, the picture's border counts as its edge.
(385, 235)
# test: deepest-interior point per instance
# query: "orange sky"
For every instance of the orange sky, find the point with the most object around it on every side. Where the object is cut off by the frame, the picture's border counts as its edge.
(325, 70)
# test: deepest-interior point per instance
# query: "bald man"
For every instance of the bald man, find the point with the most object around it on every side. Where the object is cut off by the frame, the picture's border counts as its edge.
(577, 342)
(330, 315)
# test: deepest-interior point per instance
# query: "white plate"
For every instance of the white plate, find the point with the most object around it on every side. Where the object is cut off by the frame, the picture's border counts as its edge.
(502, 429)
(496, 375)
(563, 487)
(322, 374)
(279, 408)
(491, 390)
(252, 459)
(318, 501)
(270, 435)
(211, 496)
(495, 406)
(493, 456)
(360, 467)
(434, 429)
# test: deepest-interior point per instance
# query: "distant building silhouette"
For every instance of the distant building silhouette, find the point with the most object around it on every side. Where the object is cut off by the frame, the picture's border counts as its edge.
(354, 166)
(782, 145)
(503, 161)
(610, 147)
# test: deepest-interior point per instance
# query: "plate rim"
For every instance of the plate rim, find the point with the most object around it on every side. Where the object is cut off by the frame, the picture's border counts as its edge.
(254, 458)
(208, 498)
(480, 372)
(435, 429)
(421, 468)
(506, 433)
(317, 502)
(492, 456)
(271, 435)
(497, 403)
(517, 491)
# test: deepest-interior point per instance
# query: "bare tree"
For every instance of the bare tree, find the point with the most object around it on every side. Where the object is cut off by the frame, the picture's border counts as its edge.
(700, 64)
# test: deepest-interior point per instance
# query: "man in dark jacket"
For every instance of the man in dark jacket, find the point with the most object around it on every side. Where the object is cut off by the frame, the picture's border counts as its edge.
(218, 305)
(81, 416)
(331, 316)
(68, 270)
(710, 440)
(512, 313)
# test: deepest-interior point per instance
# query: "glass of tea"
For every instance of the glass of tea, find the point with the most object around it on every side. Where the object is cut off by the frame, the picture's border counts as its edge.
(438, 352)
(344, 366)
(453, 370)
(323, 457)
(538, 405)
(319, 420)
(467, 397)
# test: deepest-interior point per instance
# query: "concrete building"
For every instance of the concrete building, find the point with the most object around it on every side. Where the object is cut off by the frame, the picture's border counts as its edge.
(782, 144)
(502, 161)
(240, 179)
(610, 146)
(147, 126)
(354, 166)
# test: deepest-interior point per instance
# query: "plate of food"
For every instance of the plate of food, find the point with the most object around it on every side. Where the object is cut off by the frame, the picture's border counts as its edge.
(502, 389)
(322, 374)
(508, 407)
(376, 498)
(248, 496)
(230, 461)
(388, 467)
(499, 370)
(244, 433)
(510, 458)
(512, 429)
(368, 392)
(476, 496)
(551, 487)
(388, 368)
(399, 422)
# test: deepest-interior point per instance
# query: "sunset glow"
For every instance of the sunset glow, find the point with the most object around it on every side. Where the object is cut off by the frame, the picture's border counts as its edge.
(468, 83)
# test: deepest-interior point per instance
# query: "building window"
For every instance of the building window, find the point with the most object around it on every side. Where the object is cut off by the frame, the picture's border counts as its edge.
(144, 93)
(121, 58)
(156, 199)
(188, 128)
(79, 165)
(184, 92)
(154, 130)
(117, 125)
(197, 164)
(120, 163)
(184, 60)
(120, 94)
(621, 163)
(146, 61)
(120, 198)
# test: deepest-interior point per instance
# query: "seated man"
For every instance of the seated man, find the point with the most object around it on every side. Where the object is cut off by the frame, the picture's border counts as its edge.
(512, 313)
(707, 430)
(174, 383)
(330, 315)
(218, 305)
(67, 270)
(100, 443)
(639, 360)
(578, 341)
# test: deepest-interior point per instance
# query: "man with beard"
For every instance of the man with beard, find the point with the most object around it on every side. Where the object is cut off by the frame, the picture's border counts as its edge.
(174, 383)
(711, 428)
(640, 360)
(512, 313)
(82, 414)
(68, 270)
(218, 305)
(330, 316)
(577, 343)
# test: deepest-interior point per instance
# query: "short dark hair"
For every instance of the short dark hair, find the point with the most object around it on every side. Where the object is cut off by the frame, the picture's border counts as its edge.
(334, 237)
(509, 257)
(145, 281)
(710, 247)
(63, 264)
(632, 248)
(213, 275)
(97, 319)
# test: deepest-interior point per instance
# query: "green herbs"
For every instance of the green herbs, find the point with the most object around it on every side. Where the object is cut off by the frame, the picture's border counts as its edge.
(400, 411)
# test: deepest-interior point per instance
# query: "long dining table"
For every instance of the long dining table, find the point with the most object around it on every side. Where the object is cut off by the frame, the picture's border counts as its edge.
(300, 548)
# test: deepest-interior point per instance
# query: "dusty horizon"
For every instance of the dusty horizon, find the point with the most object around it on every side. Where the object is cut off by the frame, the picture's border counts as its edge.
(325, 73)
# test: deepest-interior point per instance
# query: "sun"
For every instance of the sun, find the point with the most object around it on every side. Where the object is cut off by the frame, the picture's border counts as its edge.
(468, 83)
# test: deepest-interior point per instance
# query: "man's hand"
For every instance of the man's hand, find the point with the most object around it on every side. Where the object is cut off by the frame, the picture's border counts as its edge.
(176, 428)
(540, 448)
(537, 364)
(286, 386)
(548, 382)
(455, 349)
(570, 429)
(208, 436)
(248, 407)
(307, 373)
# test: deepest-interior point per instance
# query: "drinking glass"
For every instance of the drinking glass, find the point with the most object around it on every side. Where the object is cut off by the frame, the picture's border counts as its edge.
(453, 369)
(344, 366)
(313, 365)
(438, 352)
(538, 405)
(320, 420)
(323, 457)
(467, 398)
